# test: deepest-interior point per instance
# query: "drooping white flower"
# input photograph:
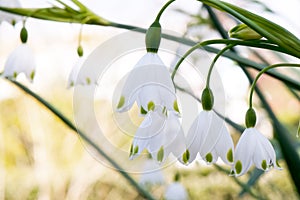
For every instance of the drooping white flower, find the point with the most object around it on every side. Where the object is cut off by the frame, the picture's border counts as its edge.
(10, 18)
(81, 77)
(208, 136)
(160, 133)
(253, 148)
(21, 60)
(152, 175)
(176, 191)
(150, 85)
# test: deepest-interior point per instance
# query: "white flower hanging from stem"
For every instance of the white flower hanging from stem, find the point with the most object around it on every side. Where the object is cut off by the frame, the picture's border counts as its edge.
(208, 135)
(149, 85)
(161, 134)
(253, 148)
(21, 60)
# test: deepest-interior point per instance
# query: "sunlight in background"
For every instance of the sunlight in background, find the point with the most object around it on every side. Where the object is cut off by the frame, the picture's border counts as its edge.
(40, 156)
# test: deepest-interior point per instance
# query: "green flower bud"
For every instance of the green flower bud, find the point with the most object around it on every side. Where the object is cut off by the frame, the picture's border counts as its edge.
(207, 99)
(153, 37)
(244, 32)
(80, 51)
(24, 35)
(250, 119)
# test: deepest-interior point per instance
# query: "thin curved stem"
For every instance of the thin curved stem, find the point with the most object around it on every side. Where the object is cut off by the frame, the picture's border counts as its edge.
(262, 72)
(265, 44)
(214, 61)
(66, 121)
(163, 9)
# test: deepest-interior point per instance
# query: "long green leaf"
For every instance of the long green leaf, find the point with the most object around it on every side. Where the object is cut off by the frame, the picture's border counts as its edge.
(273, 32)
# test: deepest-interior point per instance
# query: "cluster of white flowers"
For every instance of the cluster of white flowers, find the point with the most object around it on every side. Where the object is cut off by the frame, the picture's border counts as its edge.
(149, 85)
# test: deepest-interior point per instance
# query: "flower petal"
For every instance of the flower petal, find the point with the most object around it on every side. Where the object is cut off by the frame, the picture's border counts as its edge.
(244, 151)
(214, 126)
(224, 146)
(149, 81)
(194, 139)
(20, 60)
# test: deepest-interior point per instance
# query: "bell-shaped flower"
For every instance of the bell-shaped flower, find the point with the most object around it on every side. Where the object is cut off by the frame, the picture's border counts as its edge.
(176, 191)
(152, 174)
(208, 136)
(5, 16)
(21, 60)
(253, 148)
(81, 77)
(160, 133)
(150, 85)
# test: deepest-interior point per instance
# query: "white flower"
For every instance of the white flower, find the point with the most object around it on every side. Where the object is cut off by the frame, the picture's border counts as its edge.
(160, 133)
(176, 191)
(208, 136)
(152, 175)
(5, 16)
(150, 85)
(21, 60)
(80, 77)
(253, 148)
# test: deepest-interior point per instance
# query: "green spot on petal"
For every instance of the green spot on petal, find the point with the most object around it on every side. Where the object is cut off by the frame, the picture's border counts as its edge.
(121, 102)
(264, 164)
(229, 156)
(151, 106)
(15, 75)
(88, 80)
(175, 106)
(186, 156)
(238, 167)
(136, 150)
(160, 154)
(143, 111)
(32, 74)
(209, 157)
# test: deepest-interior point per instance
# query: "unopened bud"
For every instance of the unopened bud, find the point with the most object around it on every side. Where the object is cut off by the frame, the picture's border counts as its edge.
(244, 32)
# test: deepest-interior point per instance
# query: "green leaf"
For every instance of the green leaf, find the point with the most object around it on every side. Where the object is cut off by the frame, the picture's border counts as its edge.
(270, 30)
(60, 15)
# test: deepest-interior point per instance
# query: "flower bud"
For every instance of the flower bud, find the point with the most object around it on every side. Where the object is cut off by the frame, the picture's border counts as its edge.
(244, 32)
(23, 35)
(250, 119)
(80, 51)
(207, 99)
(153, 37)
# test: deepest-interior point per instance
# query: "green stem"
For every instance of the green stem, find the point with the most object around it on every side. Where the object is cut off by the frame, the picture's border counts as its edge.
(214, 61)
(287, 144)
(240, 183)
(256, 43)
(163, 9)
(82, 135)
(262, 72)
